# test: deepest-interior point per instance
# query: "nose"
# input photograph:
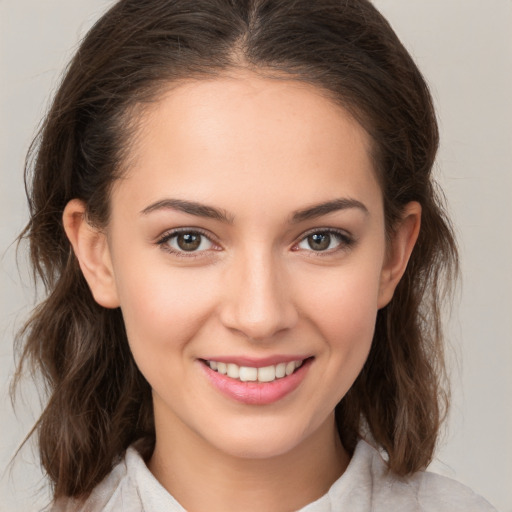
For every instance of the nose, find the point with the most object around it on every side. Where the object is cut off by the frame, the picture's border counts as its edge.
(258, 298)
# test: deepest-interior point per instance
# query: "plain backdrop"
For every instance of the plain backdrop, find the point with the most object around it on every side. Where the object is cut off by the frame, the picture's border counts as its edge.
(464, 48)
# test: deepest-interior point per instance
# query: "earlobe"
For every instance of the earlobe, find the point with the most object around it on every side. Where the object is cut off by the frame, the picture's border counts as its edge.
(399, 251)
(92, 252)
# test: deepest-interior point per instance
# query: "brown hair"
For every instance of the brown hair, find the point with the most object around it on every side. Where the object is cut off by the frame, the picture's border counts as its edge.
(98, 401)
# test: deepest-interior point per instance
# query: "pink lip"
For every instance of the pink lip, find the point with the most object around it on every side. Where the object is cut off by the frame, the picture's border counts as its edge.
(257, 393)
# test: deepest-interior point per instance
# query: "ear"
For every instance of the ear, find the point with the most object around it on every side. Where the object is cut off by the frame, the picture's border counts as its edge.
(399, 251)
(92, 251)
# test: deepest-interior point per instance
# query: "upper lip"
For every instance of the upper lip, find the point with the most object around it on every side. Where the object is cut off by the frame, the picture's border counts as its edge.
(256, 362)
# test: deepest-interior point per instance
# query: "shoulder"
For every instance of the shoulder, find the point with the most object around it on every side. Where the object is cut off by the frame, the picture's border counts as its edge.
(117, 491)
(129, 487)
(368, 485)
(423, 491)
(443, 493)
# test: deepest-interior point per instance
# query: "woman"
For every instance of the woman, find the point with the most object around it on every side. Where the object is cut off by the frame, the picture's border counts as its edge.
(233, 212)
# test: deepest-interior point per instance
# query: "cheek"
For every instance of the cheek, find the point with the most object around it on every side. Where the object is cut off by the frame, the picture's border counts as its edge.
(342, 308)
(162, 309)
(343, 304)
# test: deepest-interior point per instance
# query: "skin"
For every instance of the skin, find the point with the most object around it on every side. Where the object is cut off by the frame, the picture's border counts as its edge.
(259, 150)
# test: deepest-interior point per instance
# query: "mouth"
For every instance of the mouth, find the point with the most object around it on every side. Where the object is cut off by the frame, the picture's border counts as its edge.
(256, 385)
(268, 373)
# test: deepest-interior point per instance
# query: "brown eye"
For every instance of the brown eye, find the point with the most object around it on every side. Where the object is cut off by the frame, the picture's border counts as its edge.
(325, 241)
(319, 241)
(187, 241)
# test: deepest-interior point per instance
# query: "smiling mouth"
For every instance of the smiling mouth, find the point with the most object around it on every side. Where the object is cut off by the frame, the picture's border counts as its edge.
(251, 374)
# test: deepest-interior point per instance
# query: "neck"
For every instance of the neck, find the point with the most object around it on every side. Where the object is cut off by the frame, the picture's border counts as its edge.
(184, 462)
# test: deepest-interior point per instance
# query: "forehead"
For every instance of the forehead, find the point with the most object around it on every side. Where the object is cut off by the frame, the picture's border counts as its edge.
(248, 136)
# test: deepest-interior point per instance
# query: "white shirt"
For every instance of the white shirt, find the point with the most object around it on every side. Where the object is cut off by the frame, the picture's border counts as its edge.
(365, 486)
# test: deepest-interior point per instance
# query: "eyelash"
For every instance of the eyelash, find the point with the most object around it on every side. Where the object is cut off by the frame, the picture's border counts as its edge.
(166, 237)
(345, 241)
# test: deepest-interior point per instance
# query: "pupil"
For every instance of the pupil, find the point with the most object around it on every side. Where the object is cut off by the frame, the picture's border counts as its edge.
(189, 241)
(319, 241)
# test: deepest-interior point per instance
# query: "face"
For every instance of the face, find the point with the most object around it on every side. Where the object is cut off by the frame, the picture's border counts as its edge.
(248, 237)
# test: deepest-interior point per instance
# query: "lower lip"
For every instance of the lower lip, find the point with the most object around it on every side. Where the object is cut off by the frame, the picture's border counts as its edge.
(257, 393)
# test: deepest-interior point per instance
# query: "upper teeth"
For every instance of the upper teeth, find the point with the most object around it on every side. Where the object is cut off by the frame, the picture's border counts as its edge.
(247, 373)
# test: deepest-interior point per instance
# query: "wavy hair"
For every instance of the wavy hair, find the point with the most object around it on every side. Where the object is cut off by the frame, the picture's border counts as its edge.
(98, 402)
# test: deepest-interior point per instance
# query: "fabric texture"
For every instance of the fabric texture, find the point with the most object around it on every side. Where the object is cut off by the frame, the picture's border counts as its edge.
(365, 486)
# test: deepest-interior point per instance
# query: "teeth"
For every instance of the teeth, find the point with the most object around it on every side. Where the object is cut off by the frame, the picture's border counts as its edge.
(249, 374)
(280, 370)
(267, 374)
(290, 367)
(233, 371)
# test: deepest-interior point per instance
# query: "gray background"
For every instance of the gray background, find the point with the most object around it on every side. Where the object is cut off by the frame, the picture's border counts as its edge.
(464, 48)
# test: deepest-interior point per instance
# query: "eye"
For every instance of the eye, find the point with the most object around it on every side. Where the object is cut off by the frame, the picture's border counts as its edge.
(325, 241)
(186, 241)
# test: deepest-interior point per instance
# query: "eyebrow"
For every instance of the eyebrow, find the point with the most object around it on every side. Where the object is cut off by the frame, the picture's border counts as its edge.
(321, 209)
(210, 212)
(190, 207)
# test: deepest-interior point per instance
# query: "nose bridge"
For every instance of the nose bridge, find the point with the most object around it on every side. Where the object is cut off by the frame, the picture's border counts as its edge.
(258, 300)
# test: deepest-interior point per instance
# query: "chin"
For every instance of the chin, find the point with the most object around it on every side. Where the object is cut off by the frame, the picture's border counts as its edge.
(263, 439)
(264, 448)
